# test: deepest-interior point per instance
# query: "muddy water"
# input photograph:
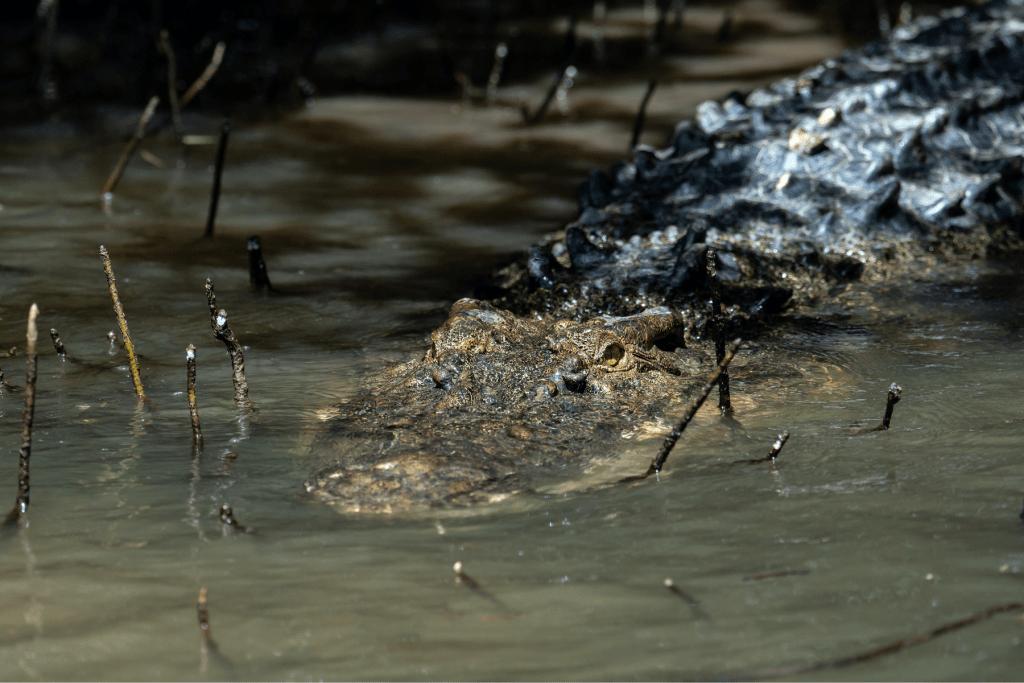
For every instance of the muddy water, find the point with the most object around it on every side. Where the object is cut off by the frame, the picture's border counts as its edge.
(375, 215)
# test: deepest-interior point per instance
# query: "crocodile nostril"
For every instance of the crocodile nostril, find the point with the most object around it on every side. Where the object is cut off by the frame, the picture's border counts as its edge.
(441, 379)
(612, 354)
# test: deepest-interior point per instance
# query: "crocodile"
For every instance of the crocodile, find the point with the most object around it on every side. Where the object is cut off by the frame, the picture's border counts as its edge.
(880, 163)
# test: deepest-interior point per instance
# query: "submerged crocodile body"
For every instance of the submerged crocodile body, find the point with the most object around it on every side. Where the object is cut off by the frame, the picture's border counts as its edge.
(880, 160)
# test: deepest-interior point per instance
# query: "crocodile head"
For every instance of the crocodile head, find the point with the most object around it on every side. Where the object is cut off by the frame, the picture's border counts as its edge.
(495, 403)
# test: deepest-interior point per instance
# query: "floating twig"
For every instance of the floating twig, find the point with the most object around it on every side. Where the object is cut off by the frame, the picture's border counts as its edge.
(689, 599)
(21, 502)
(57, 343)
(531, 119)
(500, 53)
(222, 146)
(172, 83)
(718, 327)
(892, 398)
(219, 322)
(5, 386)
(140, 132)
(776, 449)
(641, 114)
(691, 410)
(209, 646)
(204, 78)
(887, 649)
(258, 277)
(227, 516)
(468, 581)
(193, 409)
(133, 363)
(775, 575)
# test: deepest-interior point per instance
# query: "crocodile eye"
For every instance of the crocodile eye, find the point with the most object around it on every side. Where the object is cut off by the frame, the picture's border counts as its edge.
(612, 354)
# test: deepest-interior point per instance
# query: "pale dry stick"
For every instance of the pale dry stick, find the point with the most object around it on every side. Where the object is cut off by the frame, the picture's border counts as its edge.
(691, 410)
(193, 409)
(219, 322)
(21, 502)
(204, 78)
(133, 363)
(140, 132)
(172, 83)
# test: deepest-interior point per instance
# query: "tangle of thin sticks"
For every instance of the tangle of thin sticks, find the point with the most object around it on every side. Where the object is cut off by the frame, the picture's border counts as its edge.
(172, 83)
(133, 363)
(193, 409)
(691, 410)
(140, 132)
(219, 323)
(204, 78)
(21, 502)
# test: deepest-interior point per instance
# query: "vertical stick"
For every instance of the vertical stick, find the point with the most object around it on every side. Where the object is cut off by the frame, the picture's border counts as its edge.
(133, 363)
(219, 322)
(641, 114)
(172, 82)
(222, 146)
(21, 502)
(193, 409)
(892, 398)
(140, 132)
(718, 325)
(258, 277)
(57, 343)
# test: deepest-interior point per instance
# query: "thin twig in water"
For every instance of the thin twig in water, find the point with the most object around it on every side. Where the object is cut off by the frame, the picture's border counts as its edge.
(227, 517)
(776, 449)
(675, 590)
(218, 169)
(571, 45)
(133, 363)
(209, 646)
(219, 322)
(258, 277)
(775, 575)
(193, 409)
(887, 649)
(140, 132)
(204, 78)
(641, 114)
(5, 386)
(718, 326)
(892, 398)
(466, 580)
(691, 410)
(21, 502)
(172, 83)
(57, 343)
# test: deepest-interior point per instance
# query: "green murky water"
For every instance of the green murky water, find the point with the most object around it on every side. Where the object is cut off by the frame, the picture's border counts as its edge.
(371, 229)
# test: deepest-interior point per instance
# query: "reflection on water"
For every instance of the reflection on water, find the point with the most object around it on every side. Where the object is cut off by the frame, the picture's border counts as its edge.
(375, 215)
